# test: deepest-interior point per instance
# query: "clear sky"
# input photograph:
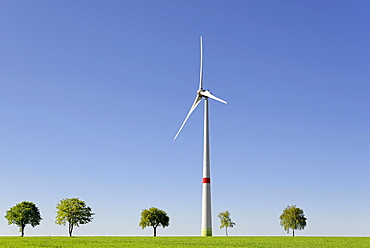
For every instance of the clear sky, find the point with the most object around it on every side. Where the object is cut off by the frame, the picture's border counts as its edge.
(93, 92)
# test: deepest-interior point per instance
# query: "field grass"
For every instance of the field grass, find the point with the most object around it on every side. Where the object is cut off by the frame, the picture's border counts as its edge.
(142, 242)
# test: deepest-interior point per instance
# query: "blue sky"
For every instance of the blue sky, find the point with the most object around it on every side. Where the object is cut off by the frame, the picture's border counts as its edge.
(93, 92)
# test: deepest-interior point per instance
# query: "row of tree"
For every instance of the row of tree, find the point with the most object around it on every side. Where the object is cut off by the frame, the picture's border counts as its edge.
(291, 218)
(71, 211)
(74, 212)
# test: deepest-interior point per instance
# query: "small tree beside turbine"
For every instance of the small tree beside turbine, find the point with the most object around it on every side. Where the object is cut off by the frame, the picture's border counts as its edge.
(293, 218)
(226, 220)
(74, 212)
(154, 217)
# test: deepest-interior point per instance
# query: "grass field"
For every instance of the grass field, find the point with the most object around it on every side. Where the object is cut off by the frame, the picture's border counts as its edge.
(260, 242)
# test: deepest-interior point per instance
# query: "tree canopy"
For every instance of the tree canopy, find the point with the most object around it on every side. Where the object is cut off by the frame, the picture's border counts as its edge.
(293, 218)
(22, 214)
(225, 220)
(154, 217)
(74, 212)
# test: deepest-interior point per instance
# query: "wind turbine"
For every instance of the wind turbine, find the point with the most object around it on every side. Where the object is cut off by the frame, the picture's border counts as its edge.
(206, 194)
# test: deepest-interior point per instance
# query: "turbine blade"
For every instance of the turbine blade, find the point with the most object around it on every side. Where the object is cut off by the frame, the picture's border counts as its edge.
(209, 94)
(195, 104)
(201, 64)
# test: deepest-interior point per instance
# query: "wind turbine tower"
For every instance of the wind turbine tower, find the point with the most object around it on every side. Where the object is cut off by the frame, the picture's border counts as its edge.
(206, 229)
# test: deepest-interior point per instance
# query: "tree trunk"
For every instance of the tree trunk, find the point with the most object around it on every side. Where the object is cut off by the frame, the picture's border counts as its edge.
(70, 229)
(155, 231)
(293, 232)
(22, 230)
(226, 232)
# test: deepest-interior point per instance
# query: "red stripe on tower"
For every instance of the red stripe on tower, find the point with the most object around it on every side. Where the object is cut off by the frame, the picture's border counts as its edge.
(206, 180)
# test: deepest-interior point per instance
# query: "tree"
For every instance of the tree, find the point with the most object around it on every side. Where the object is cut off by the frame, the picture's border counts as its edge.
(154, 217)
(74, 212)
(226, 220)
(22, 214)
(293, 218)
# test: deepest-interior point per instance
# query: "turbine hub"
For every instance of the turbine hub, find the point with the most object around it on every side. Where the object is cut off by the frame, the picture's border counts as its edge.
(200, 91)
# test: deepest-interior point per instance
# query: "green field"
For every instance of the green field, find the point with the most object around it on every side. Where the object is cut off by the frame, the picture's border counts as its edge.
(260, 242)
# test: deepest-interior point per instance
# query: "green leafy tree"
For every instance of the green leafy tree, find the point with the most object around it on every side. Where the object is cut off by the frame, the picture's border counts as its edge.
(22, 214)
(154, 217)
(225, 220)
(74, 212)
(293, 218)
